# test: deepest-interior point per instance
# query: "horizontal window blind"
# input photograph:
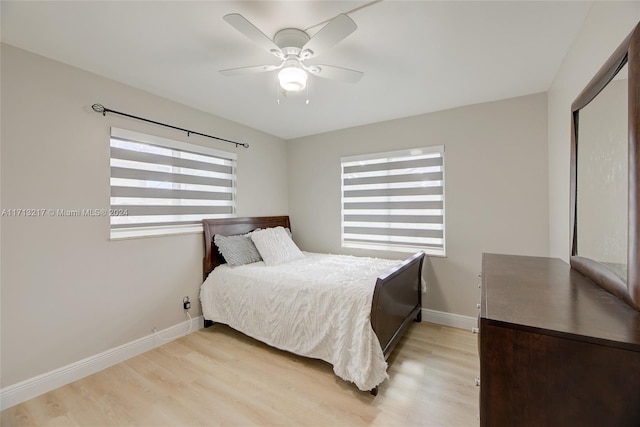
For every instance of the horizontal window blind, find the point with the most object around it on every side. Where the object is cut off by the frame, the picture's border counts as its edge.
(394, 201)
(163, 186)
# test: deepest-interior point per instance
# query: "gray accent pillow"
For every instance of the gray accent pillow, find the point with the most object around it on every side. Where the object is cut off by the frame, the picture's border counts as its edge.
(237, 250)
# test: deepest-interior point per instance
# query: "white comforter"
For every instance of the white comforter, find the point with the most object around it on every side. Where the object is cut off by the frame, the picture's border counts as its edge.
(318, 306)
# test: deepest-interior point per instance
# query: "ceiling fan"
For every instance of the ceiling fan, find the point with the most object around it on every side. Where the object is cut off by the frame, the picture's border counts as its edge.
(293, 47)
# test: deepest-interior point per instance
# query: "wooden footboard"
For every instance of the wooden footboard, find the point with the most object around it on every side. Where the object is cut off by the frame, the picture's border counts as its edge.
(397, 301)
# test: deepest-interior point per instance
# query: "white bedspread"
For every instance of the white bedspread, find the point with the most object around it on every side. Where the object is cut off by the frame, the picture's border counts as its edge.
(318, 306)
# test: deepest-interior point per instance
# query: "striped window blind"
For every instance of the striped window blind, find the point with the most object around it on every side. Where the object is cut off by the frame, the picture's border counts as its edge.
(161, 186)
(394, 201)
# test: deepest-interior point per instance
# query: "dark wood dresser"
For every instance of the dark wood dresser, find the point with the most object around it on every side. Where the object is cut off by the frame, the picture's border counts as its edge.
(555, 348)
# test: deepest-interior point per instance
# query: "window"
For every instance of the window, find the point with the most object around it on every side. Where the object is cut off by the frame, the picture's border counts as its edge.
(394, 201)
(161, 186)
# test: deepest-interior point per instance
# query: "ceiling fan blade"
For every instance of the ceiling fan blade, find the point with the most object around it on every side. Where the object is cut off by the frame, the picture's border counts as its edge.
(332, 33)
(242, 71)
(251, 32)
(335, 73)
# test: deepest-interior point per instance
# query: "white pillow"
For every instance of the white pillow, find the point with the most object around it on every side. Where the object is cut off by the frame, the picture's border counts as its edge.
(275, 246)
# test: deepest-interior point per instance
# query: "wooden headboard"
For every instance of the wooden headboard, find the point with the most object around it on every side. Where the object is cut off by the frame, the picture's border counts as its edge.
(230, 227)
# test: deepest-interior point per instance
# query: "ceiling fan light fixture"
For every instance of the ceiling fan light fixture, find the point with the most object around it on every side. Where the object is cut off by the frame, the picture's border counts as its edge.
(292, 78)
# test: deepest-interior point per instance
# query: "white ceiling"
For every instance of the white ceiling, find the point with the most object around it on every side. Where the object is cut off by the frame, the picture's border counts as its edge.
(417, 56)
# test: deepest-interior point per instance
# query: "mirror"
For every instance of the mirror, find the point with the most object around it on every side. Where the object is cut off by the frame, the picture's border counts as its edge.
(604, 175)
(602, 171)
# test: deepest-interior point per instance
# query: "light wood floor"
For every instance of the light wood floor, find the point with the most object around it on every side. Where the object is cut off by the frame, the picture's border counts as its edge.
(219, 377)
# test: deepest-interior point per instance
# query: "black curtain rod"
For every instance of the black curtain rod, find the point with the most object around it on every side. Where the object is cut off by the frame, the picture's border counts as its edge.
(99, 108)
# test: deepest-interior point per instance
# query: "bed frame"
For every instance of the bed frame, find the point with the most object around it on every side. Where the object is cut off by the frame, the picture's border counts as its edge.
(397, 298)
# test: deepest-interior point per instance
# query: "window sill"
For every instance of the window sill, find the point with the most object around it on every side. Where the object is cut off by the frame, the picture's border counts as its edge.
(143, 232)
(404, 249)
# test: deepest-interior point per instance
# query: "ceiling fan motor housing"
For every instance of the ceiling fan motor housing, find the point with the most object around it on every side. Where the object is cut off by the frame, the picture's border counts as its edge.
(291, 40)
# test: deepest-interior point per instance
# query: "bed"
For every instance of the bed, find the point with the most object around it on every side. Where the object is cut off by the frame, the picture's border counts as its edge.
(395, 302)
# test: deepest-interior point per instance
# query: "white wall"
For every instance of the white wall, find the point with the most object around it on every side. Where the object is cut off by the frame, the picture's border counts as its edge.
(67, 291)
(606, 26)
(496, 188)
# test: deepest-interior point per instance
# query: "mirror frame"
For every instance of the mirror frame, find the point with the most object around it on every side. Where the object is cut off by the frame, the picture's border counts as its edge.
(628, 53)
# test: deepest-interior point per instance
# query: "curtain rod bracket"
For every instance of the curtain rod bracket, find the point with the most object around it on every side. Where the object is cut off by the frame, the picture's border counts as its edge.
(99, 108)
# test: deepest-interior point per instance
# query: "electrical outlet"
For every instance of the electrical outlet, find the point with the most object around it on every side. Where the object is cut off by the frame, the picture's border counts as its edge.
(186, 304)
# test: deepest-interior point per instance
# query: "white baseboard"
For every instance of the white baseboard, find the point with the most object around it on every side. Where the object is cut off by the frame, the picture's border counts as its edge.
(32, 387)
(449, 319)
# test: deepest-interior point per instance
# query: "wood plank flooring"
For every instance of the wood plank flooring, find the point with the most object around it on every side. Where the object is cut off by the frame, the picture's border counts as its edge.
(219, 377)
